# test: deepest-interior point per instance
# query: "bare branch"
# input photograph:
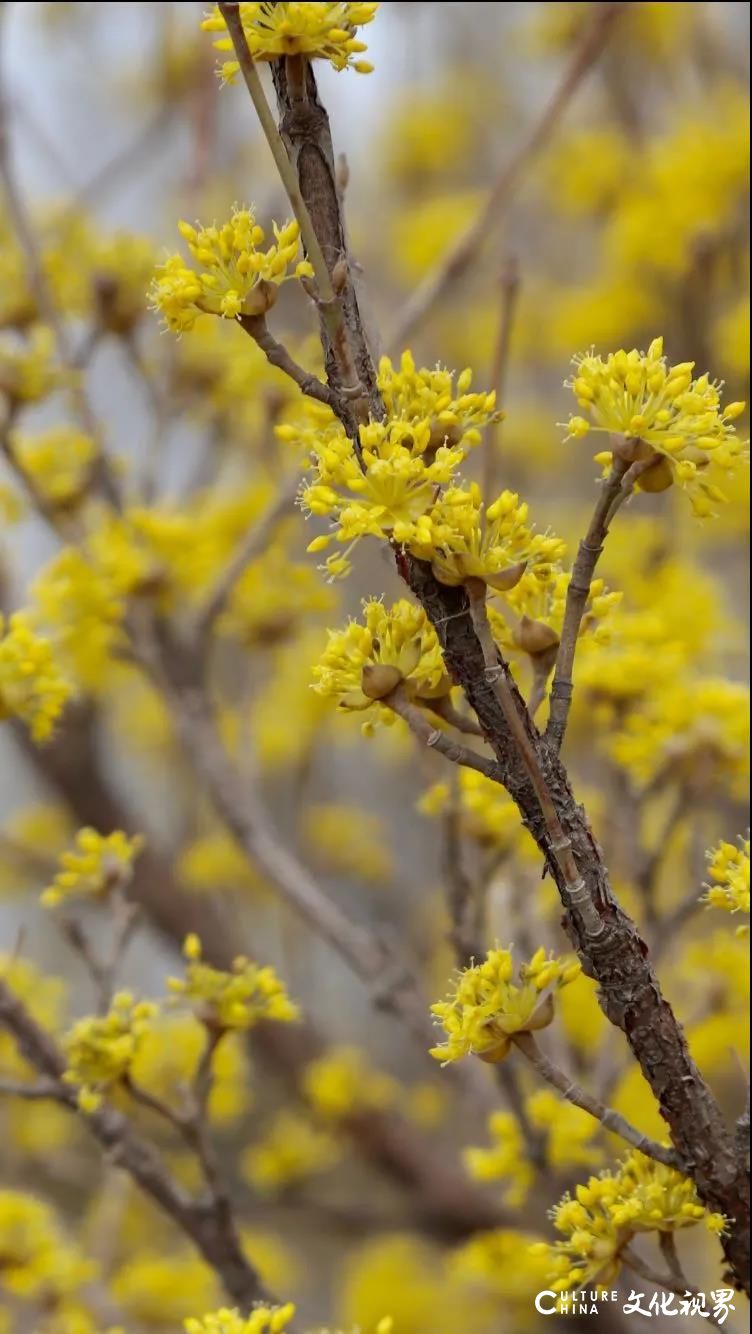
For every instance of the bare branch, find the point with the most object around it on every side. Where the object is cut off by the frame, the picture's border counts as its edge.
(434, 738)
(277, 355)
(579, 1097)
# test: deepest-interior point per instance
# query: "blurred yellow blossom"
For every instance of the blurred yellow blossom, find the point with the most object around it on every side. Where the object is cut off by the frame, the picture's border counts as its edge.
(32, 686)
(349, 840)
(341, 1083)
(639, 1196)
(100, 1049)
(227, 1000)
(292, 1150)
(94, 867)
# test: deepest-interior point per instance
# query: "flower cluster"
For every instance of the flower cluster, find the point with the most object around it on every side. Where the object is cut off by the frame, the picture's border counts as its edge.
(235, 275)
(31, 685)
(728, 867)
(340, 1084)
(405, 460)
(262, 1320)
(640, 1196)
(696, 730)
(666, 420)
(94, 867)
(537, 604)
(28, 371)
(39, 1265)
(231, 1000)
(486, 1007)
(505, 1161)
(58, 463)
(487, 814)
(100, 1049)
(293, 1150)
(463, 539)
(394, 646)
(321, 31)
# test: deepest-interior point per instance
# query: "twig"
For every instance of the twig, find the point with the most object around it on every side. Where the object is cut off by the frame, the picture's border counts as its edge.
(671, 1282)
(434, 738)
(578, 592)
(444, 709)
(213, 1234)
(608, 1117)
(465, 250)
(462, 891)
(250, 547)
(278, 356)
(509, 286)
(43, 1090)
(560, 846)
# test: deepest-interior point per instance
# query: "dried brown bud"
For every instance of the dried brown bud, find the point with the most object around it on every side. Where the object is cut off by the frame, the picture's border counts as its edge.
(379, 679)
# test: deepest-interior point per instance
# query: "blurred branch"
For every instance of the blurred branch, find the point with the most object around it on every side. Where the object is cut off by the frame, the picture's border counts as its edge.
(250, 547)
(210, 1227)
(502, 192)
(509, 286)
(43, 296)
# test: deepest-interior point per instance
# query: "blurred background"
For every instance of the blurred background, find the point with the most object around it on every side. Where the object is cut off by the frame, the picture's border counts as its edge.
(630, 221)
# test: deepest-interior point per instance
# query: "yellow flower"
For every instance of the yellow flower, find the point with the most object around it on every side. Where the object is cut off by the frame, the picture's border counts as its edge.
(28, 371)
(262, 1320)
(31, 685)
(39, 1266)
(100, 1049)
(235, 276)
(465, 540)
(365, 662)
(231, 1000)
(98, 864)
(639, 1196)
(537, 604)
(486, 1008)
(672, 423)
(505, 1161)
(487, 813)
(340, 1084)
(58, 463)
(695, 729)
(292, 1150)
(729, 868)
(317, 31)
(168, 1056)
(431, 424)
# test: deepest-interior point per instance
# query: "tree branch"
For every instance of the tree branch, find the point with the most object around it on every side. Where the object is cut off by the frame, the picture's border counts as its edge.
(277, 355)
(434, 738)
(579, 1097)
(211, 1231)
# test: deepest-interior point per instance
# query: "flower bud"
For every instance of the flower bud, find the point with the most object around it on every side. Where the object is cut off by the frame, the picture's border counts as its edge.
(379, 679)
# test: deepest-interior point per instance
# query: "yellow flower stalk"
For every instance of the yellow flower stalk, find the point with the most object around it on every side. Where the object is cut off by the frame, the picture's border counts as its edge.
(486, 1007)
(316, 31)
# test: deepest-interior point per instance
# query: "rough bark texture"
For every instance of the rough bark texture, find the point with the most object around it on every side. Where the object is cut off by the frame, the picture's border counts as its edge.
(617, 958)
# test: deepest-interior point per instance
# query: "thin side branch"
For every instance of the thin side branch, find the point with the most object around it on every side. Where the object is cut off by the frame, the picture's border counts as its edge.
(579, 1097)
(578, 593)
(277, 355)
(502, 192)
(434, 738)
